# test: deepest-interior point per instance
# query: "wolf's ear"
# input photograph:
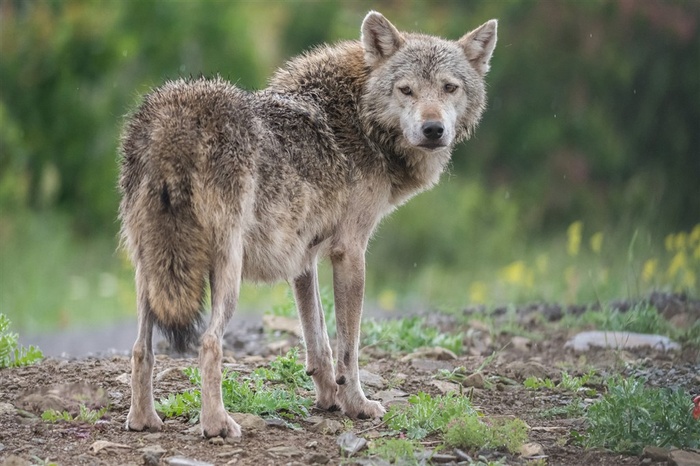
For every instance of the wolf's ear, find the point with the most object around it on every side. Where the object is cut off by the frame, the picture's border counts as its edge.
(380, 38)
(478, 45)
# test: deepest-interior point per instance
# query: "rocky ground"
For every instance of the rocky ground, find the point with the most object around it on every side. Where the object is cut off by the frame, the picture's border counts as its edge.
(104, 381)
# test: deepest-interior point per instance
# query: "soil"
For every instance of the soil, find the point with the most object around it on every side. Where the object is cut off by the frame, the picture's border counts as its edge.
(97, 381)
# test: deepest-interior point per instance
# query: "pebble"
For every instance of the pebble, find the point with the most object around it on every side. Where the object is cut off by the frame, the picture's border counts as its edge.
(7, 408)
(285, 451)
(620, 340)
(350, 443)
(372, 380)
(445, 387)
(683, 458)
(250, 423)
(437, 352)
(475, 380)
(327, 426)
(184, 461)
(430, 365)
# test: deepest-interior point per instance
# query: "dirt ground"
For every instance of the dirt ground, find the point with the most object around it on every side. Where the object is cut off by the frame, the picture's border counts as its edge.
(24, 392)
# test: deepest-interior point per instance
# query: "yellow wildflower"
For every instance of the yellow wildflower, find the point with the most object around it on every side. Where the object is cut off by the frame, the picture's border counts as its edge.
(677, 264)
(649, 270)
(574, 236)
(387, 300)
(514, 273)
(478, 292)
(694, 237)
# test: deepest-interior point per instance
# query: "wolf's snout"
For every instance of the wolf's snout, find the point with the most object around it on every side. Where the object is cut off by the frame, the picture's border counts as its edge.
(433, 130)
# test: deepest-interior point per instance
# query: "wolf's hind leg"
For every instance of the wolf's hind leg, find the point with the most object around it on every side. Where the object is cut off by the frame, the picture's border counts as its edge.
(319, 357)
(348, 286)
(225, 280)
(142, 414)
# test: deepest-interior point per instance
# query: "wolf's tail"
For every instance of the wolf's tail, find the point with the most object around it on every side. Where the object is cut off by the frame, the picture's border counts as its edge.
(166, 238)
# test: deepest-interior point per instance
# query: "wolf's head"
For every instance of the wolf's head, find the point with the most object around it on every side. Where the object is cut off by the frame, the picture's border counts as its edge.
(429, 90)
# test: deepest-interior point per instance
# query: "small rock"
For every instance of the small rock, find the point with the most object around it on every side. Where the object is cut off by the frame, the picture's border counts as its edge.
(520, 343)
(327, 426)
(656, 453)
(531, 450)
(14, 460)
(683, 458)
(620, 340)
(445, 387)
(283, 324)
(184, 461)
(522, 370)
(101, 445)
(312, 444)
(475, 380)
(171, 373)
(391, 396)
(250, 423)
(152, 436)
(431, 365)
(278, 346)
(350, 443)
(124, 378)
(216, 441)
(7, 408)
(152, 454)
(438, 353)
(318, 458)
(372, 380)
(442, 458)
(285, 451)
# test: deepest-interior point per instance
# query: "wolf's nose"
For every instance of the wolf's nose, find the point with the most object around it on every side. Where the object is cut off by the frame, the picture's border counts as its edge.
(432, 129)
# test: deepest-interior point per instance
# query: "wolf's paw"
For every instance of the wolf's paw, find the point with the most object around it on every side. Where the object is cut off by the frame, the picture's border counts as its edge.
(365, 409)
(221, 425)
(140, 421)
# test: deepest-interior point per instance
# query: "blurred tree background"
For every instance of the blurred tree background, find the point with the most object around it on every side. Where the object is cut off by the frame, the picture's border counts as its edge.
(594, 117)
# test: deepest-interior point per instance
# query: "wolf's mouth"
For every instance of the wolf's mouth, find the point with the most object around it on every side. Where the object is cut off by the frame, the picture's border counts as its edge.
(431, 145)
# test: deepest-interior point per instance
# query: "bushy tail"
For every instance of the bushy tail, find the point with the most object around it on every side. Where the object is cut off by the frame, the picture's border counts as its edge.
(167, 241)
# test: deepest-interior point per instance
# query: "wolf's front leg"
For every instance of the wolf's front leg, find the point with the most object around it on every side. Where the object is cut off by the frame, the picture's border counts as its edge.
(142, 414)
(348, 286)
(319, 357)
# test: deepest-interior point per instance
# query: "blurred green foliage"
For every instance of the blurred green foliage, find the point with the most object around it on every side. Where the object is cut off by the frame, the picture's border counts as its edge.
(593, 114)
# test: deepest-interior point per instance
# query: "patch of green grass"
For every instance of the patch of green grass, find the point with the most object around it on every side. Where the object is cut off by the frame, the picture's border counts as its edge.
(252, 394)
(396, 450)
(12, 354)
(425, 414)
(86, 414)
(475, 432)
(573, 409)
(407, 334)
(631, 416)
(568, 383)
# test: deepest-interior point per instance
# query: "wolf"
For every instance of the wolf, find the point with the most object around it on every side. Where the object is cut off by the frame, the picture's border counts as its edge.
(219, 185)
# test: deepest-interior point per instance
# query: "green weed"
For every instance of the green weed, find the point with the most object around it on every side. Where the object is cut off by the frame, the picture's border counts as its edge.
(567, 383)
(249, 394)
(573, 409)
(86, 414)
(407, 334)
(475, 432)
(425, 414)
(395, 450)
(12, 354)
(631, 416)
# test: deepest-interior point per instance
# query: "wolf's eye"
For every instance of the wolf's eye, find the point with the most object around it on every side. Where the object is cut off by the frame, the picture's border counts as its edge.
(405, 90)
(450, 88)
